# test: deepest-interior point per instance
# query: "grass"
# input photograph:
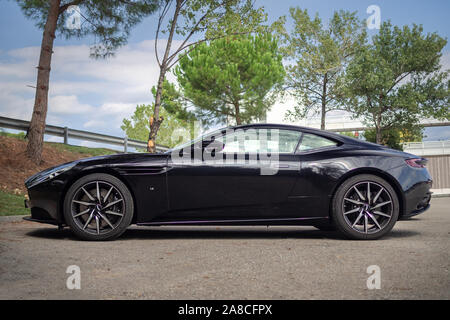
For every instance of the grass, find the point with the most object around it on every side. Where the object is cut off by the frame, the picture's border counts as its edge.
(20, 135)
(12, 204)
(82, 150)
(66, 147)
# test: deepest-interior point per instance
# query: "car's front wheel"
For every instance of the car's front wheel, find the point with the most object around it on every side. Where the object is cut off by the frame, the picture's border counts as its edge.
(98, 207)
(365, 207)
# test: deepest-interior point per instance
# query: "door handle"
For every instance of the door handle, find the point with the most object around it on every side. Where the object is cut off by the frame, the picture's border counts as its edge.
(280, 166)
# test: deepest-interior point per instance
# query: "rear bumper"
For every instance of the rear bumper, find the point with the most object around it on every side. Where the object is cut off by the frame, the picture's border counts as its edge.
(414, 213)
(417, 199)
(414, 185)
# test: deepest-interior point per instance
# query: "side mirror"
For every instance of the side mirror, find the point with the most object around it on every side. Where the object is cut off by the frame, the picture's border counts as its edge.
(212, 146)
(206, 143)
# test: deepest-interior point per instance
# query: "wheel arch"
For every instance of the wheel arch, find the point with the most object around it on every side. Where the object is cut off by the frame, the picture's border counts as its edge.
(376, 172)
(88, 171)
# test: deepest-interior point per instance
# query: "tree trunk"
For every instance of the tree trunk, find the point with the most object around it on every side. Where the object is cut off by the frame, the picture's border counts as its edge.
(378, 129)
(324, 102)
(237, 114)
(37, 124)
(379, 135)
(156, 120)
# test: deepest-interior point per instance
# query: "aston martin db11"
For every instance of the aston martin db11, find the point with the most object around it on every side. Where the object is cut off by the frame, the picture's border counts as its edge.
(245, 175)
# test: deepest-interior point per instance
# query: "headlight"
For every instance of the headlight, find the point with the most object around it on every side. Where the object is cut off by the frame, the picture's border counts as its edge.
(48, 174)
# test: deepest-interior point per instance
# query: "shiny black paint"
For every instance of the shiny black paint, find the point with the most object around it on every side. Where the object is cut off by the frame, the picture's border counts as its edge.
(300, 193)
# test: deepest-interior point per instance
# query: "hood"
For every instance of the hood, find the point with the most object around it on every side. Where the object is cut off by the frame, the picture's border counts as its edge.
(123, 159)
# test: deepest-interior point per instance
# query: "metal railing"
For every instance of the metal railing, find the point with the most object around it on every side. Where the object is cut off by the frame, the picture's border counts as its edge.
(67, 133)
(342, 123)
(428, 148)
(343, 126)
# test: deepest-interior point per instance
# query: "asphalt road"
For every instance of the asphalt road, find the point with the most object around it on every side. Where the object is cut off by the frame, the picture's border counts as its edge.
(228, 262)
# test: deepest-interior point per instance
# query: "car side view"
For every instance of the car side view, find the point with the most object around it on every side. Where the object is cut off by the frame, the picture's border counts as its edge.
(261, 174)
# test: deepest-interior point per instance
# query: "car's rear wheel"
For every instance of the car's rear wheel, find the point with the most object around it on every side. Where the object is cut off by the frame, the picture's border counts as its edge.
(98, 207)
(365, 207)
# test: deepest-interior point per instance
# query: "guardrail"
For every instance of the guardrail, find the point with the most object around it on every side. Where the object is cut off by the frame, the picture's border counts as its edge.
(67, 133)
(349, 124)
(343, 127)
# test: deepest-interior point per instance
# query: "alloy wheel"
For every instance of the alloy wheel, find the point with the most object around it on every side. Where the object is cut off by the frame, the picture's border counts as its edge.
(97, 207)
(367, 207)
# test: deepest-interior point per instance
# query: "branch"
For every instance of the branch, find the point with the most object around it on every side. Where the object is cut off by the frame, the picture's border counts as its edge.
(161, 17)
(193, 30)
(295, 86)
(194, 44)
(67, 5)
(128, 2)
(398, 80)
(178, 7)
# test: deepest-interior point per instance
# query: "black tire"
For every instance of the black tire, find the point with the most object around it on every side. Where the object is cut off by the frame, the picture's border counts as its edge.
(98, 223)
(369, 219)
(325, 226)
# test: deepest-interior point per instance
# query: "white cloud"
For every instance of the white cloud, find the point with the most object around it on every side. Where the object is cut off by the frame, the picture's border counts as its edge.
(445, 61)
(96, 94)
(83, 92)
(95, 124)
(53, 139)
(69, 105)
(117, 108)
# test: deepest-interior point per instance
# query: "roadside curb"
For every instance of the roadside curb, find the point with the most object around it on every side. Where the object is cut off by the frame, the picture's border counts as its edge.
(440, 195)
(12, 218)
(20, 218)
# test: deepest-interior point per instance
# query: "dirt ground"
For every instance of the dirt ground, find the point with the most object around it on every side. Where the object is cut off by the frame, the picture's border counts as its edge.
(16, 167)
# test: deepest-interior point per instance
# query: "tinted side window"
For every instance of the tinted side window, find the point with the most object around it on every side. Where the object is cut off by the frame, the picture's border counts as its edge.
(312, 142)
(261, 141)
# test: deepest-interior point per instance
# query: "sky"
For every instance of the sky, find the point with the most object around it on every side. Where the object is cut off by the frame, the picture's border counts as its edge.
(95, 95)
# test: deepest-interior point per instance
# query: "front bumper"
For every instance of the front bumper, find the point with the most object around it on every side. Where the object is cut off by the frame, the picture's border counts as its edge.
(45, 202)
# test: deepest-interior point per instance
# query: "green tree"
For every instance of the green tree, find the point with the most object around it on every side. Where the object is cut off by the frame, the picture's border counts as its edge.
(138, 127)
(176, 128)
(349, 134)
(394, 137)
(110, 21)
(231, 77)
(317, 55)
(204, 19)
(397, 80)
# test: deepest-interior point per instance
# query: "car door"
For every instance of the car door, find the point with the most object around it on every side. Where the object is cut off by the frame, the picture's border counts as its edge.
(320, 169)
(243, 173)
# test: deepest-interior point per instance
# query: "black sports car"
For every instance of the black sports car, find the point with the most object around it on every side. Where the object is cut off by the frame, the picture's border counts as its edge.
(245, 175)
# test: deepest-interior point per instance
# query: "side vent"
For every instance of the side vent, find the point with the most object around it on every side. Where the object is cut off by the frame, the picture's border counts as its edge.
(142, 170)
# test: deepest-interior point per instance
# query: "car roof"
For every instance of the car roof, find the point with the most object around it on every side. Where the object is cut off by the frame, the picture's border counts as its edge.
(324, 133)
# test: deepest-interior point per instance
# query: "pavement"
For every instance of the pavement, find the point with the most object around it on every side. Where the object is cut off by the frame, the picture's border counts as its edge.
(438, 193)
(228, 262)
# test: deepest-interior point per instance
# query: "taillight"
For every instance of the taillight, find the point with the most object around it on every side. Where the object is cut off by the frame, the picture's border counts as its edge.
(417, 162)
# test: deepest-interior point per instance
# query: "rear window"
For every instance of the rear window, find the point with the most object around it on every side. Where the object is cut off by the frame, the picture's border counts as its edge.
(313, 142)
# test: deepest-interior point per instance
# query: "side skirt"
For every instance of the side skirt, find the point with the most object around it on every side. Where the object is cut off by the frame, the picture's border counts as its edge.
(275, 221)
